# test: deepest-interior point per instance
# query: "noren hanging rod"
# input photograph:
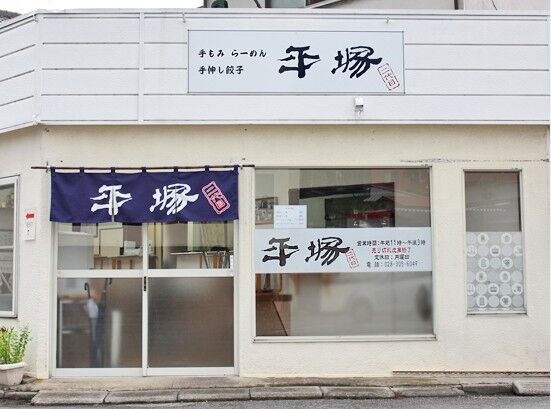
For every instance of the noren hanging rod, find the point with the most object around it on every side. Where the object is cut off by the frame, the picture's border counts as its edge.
(141, 167)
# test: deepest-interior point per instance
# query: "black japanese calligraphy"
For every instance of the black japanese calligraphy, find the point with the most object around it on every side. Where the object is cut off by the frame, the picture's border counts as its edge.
(281, 248)
(301, 66)
(327, 248)
(222, 70)
(356, 60)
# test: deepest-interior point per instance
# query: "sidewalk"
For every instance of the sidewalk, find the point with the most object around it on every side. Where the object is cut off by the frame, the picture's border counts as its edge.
(60, 391)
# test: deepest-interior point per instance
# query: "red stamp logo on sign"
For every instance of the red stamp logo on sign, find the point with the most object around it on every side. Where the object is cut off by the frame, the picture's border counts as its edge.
(216, 198)
(352, 259)
(388, 77)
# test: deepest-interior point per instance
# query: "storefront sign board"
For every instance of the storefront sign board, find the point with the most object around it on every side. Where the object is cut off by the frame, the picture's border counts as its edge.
(341, 250)
(264, 61)
(144, 197)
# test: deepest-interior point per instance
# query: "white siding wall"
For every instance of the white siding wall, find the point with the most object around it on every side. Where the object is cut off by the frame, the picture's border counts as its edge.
(131, 67)
(17, 73)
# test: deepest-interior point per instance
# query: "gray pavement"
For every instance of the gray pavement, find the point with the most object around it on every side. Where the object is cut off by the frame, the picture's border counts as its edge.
(460, 402)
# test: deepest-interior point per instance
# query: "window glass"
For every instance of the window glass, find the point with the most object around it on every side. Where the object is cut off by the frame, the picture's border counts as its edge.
(99, 323)
(191, 245)
(190, 322)
(7, 247)
(102, 246)
(495, 272)
(343, 252)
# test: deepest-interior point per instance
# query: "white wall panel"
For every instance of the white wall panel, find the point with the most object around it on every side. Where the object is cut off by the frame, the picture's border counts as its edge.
(17, 88)
(165, 81)
(90, 56)
(457, 82)
(17, 63)
(18, 37)
(164, 30)
(90, 30)
(445, 29)
(165, 55)
(89, 108)
(476, 57)
(468, 31)
(341, 108)
(90, 82)
(16, 113)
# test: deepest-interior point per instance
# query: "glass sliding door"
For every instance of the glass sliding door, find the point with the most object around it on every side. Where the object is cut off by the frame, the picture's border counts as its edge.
(98, 306)
(99, 322)
(153, 299)
(190, 299)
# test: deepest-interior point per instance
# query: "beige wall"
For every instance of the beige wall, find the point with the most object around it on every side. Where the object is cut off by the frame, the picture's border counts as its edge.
(469, 343)
(504, 4)
(394, 4)
(416, 4)
(19, 151)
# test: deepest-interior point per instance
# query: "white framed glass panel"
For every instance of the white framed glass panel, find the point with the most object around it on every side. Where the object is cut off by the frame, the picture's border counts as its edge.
(103, 246)
(8, 246)
(191, 245)
(369, 221)
(494, 247)
(99, 323)
(190, 322)
(120, 311)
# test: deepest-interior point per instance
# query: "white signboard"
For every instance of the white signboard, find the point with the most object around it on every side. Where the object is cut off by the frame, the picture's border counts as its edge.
(249, 61)
(29, 231)
(290, 216)
(343, 250)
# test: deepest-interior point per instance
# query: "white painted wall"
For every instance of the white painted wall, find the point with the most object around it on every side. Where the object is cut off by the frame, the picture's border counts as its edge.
(504, 4)
(408, 4)
(19, 150)
(131, 67)
(392, 4)
(464, 343)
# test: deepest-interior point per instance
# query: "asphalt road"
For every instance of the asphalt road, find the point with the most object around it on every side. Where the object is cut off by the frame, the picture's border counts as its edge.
(494, 402)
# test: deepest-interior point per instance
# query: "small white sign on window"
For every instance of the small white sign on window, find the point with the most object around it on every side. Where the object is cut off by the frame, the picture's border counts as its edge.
(290, 217)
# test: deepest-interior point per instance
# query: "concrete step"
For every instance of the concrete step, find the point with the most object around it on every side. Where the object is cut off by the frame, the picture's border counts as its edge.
(496, 388)
(427, 391)
(531, 388)
(45, 398)
(213, 394)
(286, 392)
(142, 396)
(351, 392)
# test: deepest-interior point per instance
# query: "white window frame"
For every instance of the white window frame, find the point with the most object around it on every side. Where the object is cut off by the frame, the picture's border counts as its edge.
(145, 273)
(345, 338)
(520, 175)
(13, 181)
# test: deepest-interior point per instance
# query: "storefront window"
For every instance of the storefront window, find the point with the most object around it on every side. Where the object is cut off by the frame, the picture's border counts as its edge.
(343, 252)
(103, 246)
(191, 245)
(8, 249)
(495, 272)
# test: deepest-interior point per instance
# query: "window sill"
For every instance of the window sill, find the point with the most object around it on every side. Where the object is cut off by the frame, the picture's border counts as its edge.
(347, 338)
(497, 313)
